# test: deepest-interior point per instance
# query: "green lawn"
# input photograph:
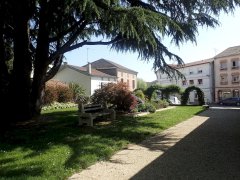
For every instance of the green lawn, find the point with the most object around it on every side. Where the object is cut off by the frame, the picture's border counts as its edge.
(56, 147)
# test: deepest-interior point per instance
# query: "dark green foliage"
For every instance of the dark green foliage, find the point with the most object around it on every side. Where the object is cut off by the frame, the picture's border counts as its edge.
(170, 89)
(160, 104)
(117, 95)
(150, 90)
(77, 91)
(185, 95)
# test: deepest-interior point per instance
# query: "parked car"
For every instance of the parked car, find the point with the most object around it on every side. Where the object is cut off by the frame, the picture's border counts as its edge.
(230, 101)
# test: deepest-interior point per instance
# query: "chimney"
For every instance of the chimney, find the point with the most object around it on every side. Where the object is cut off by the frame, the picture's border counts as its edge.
(89, 68)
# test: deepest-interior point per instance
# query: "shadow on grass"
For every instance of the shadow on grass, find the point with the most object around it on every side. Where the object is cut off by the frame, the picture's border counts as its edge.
(59, 129)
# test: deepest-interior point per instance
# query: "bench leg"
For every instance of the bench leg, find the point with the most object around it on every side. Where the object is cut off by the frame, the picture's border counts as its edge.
(113, 115)
(85, 119)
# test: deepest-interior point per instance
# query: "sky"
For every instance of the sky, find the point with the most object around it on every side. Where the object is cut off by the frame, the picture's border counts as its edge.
(210, 42)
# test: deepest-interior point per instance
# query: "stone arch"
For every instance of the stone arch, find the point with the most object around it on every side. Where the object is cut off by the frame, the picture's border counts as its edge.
(185, 95)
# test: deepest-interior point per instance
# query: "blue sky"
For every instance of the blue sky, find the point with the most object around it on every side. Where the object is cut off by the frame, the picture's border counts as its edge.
(209, 43)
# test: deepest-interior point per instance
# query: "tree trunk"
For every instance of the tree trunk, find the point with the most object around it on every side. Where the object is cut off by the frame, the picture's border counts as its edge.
(41, 61)
(20, 86)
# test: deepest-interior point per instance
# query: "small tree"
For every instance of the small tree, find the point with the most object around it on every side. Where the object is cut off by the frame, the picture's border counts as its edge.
(139, 93)
(141, 84)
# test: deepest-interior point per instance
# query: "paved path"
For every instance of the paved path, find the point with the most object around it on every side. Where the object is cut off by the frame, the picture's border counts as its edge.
(204, 147)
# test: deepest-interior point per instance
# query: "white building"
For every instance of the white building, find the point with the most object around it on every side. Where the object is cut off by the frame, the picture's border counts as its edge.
(199, 74)
(90, 79)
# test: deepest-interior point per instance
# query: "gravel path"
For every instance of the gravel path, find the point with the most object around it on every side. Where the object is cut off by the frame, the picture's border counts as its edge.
(206, 146)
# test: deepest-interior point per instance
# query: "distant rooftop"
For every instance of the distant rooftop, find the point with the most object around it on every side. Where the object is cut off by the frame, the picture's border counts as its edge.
(229, 52)
(193, 63)
(106, 64)
(94, 72)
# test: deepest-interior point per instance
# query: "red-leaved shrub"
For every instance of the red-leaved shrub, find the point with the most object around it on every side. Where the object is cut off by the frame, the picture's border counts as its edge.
(57, 91)
(117, 95)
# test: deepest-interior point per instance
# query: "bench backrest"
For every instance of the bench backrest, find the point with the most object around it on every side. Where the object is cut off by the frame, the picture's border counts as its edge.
(90, 108)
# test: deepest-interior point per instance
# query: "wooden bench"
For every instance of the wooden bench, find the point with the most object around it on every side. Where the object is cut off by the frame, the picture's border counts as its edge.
(88, 112)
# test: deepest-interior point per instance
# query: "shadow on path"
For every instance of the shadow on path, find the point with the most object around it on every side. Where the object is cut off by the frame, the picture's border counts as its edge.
(212, 151)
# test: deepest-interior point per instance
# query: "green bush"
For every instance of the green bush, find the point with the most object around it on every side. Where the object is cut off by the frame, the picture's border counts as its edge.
(78, 92)
(141, 108)
(160, 104)
(150, 108)
(139, 93)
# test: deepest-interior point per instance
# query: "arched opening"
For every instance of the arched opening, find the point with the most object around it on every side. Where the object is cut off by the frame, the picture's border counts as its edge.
(199, 93)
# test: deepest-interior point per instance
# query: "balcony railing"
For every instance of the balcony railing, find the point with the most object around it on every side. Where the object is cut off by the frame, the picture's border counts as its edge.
(235, 67)
(235, 82)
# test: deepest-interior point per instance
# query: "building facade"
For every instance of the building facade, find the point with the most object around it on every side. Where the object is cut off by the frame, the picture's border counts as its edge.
(227, 72)
(199, 74)
(122, 73)
(88, 78)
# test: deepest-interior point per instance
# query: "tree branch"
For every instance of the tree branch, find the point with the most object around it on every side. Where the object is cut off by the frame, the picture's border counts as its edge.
(63, 33)
(62, 49)
(90, 43)
(51, 73)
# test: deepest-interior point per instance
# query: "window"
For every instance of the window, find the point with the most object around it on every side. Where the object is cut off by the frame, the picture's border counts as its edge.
(223, 79)
(122, 80)
(184, 82)
(235, 78)
(128, 83)
(223, 65)
(200, 81)
(200, 71)
(108, 79)
(234, 63)
(190, 72)
(191, 82)
(133, 84)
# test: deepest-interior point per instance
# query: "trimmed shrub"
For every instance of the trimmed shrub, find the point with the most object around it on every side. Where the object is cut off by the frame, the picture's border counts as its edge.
(185, 95)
